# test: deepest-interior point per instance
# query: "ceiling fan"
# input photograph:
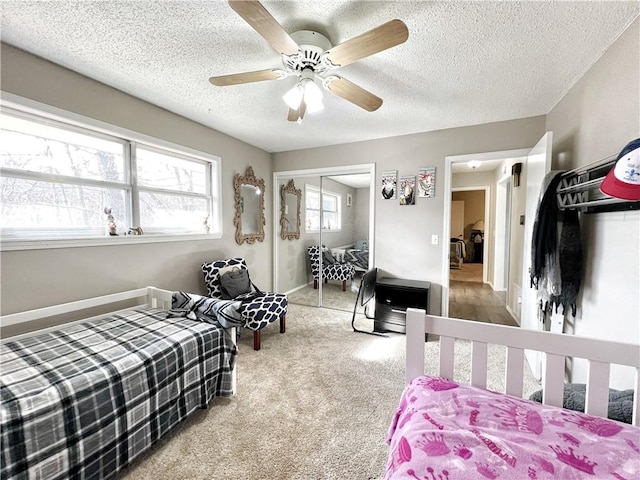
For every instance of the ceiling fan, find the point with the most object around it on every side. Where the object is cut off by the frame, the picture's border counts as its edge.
(309, 55)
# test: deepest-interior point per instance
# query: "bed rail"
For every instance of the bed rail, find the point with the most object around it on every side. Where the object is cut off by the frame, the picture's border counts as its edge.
(555, 347)
(155, 297)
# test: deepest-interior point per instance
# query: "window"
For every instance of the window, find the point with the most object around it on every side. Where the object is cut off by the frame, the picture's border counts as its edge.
(57, 181)
(331, 202)
(172, 191)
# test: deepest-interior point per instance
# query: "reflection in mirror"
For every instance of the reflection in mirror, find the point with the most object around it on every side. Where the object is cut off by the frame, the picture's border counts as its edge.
(249, 199)
(347, 243)
(290, 199)
(249, 196)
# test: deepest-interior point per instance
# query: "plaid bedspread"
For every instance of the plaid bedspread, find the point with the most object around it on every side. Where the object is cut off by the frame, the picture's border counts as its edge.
(85, 400)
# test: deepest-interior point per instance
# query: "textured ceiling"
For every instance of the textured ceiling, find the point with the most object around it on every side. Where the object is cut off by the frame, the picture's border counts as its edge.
(464, 63)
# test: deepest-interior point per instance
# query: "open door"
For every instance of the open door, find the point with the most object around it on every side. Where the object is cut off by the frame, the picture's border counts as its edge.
(537, 166)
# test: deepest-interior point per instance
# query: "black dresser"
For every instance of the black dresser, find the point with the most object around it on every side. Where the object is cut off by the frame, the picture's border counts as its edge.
(393, 297)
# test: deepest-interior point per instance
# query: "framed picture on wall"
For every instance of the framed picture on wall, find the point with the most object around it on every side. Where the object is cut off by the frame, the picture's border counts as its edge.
(389, 184)
(427, 182)
(407, 190)
(349, 199)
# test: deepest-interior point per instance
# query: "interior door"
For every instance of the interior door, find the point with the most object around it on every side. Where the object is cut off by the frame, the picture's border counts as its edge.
(537, 166)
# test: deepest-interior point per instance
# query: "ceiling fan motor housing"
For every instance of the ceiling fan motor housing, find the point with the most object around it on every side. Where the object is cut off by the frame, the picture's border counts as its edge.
(312, 46)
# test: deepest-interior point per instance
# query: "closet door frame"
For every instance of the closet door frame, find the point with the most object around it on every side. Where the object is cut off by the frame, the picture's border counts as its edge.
(278, 177)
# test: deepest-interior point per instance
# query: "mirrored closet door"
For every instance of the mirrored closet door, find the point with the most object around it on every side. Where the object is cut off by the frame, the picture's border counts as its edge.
(323, 265)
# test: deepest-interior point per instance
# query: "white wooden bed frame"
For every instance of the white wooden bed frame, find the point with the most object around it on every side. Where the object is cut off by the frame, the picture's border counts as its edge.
(600, 354)
(148, 296)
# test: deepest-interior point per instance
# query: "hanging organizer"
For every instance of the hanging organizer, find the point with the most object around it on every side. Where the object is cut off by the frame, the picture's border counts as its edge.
(580, 189)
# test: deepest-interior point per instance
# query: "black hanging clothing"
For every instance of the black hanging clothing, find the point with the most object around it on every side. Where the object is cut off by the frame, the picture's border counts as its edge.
(570, 257)
(545, 230)
(556, 251)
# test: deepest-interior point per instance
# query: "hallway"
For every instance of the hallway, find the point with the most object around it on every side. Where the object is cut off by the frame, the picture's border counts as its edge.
(471, 299)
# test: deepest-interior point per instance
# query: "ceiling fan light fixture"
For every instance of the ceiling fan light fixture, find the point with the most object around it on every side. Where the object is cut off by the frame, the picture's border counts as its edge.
(294, 96)
(307, 89)
(312, 95)
(308, 54)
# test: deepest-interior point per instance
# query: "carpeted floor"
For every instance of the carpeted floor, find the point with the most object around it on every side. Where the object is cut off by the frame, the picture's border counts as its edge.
(313, 403)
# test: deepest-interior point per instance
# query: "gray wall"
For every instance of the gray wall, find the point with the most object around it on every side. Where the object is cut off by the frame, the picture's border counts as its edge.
(597, 118)
(361, 214)
(38, 278)
(403, 233)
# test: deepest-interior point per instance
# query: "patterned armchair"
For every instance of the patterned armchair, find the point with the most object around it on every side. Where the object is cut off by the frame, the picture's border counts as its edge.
(254, 313)
(331, 269)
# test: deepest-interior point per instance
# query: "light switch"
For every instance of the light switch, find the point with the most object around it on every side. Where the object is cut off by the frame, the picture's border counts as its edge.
(434, 239)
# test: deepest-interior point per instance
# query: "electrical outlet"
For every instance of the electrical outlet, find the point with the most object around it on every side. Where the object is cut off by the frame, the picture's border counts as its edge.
(434, 239)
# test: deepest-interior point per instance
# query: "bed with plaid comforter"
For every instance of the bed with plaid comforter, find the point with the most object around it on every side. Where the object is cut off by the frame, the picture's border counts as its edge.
(85, 400)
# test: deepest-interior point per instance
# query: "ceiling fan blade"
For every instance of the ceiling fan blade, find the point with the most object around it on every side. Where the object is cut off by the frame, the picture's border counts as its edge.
(353, 93)
(246, 77)
(376, 40)
(262, 22)
(295, 115)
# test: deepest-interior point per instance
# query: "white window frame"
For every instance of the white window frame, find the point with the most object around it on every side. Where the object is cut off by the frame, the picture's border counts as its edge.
(314, 189)
(47, 114)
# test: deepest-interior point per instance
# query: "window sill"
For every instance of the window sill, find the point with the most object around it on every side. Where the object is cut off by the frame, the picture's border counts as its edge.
(44, 244)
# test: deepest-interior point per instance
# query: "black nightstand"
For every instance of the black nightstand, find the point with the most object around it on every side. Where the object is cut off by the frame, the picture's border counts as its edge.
(393, 297)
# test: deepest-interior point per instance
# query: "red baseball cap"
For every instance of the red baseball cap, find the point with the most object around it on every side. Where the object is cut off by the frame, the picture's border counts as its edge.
(623, 180)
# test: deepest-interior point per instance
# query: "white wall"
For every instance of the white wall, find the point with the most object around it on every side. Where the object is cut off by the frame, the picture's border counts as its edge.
(597, 118)
(38, 278)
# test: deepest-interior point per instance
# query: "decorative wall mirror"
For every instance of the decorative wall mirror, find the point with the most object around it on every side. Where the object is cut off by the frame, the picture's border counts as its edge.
(290, 200)
(249, 199)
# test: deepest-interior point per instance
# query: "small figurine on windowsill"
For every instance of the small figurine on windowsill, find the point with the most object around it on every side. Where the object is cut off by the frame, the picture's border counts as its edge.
(205, 224)
(111, 223)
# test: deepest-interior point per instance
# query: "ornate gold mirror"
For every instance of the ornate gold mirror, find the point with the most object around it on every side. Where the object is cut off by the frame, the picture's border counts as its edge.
(249, 199)
(290, 199)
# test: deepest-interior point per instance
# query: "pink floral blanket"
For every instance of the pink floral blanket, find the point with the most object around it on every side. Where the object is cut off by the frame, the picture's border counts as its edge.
(446, 431)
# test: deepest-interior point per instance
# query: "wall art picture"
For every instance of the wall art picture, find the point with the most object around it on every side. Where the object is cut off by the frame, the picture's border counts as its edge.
(349, 199)
(427, 182)
(389, 184)
(407, 190)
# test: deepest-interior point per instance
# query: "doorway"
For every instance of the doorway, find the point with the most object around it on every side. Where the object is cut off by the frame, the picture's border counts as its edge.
(486, 172)
(337, 212)
(469, 220)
